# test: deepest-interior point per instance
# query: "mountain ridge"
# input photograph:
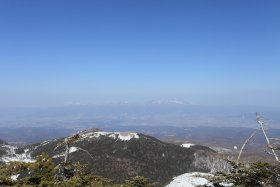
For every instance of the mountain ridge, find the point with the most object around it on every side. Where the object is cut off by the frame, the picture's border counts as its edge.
(118, 155)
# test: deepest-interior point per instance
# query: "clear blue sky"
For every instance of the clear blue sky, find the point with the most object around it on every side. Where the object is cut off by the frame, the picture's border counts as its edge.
(55, 52)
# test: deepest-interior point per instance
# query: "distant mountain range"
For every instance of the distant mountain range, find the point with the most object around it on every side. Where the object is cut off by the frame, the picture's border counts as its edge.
(118, 155)
(169, 102)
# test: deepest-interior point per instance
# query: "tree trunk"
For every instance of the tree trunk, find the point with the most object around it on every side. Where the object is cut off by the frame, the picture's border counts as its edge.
(245, 143)
(261, 122)
(67, 153)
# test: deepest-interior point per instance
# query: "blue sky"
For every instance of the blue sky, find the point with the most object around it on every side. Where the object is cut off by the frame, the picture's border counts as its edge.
(203, 52)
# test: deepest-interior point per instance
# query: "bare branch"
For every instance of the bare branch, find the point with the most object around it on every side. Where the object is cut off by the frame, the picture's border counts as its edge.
(86, 152)
(247, 141)
(58, 145)
(261, 122)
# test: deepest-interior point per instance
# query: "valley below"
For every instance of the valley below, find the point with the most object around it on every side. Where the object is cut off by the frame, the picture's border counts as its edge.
(162, 144)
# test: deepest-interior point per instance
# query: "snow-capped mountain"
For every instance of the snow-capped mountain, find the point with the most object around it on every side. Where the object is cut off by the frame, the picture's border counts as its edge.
(168, 102)
(117, 155)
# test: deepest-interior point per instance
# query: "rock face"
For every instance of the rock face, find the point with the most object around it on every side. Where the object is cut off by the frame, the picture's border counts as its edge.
(120, 155)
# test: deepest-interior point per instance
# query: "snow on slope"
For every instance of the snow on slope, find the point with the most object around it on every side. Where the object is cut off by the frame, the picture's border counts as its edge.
(123, 136)
(14, 177)
(12, 156)
(190, 180)
(193, 180)
(72, 150)
(187, 145)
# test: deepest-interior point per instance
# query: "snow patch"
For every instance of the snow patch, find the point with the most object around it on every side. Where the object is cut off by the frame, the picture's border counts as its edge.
(11, 155)
(59, 155)
(71, 150)
(123, 136)
(14, 177)
(187, 145)
(226, 184)
(94, 134)
(221, 150)
(190, 180)
(46, 142)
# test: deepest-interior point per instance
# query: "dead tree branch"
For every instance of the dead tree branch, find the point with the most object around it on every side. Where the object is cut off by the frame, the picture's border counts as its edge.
(247, 141)
(261, 122)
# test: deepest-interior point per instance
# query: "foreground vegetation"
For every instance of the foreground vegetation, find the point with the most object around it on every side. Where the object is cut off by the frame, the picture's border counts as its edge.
(44, 172)
(257, 174)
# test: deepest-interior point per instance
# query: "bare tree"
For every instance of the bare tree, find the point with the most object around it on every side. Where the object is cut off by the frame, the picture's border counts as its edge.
(262, 124)
(212, 161)
(247, 141)
(68, 142)
(65, 168)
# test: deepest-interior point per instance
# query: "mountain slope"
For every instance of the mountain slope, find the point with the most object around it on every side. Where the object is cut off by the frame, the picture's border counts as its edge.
(120, 155)
(3, 151)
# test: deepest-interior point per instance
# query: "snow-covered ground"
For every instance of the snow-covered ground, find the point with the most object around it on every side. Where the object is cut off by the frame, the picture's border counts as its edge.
(12, 156)
(221, 150)
(72, 150)
(123, 136)
(194, 179)
(14, 177)
(190, 180)
(187, 145)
